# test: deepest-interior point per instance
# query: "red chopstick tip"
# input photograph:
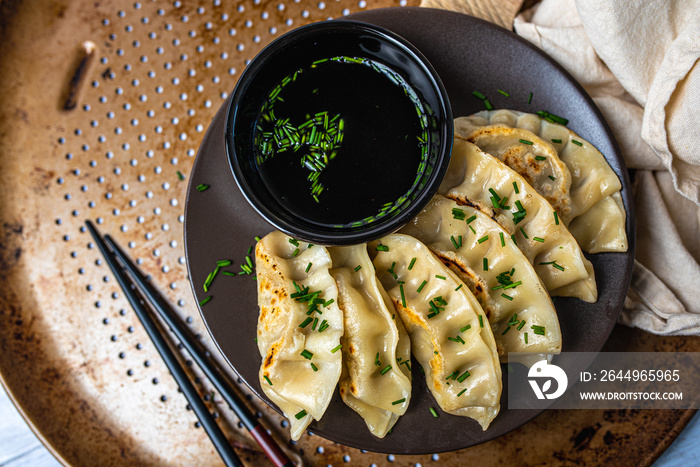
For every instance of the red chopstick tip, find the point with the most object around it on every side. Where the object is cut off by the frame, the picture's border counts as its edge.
(272, 450)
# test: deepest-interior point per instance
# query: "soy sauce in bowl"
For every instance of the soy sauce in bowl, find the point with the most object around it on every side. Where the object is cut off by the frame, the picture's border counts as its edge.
(339, 132)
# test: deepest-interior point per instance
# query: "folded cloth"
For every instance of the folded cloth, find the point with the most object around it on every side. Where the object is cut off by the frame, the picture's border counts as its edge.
(640, 62)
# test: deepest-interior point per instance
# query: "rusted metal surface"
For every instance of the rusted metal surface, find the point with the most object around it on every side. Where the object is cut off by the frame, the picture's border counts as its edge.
(72, 354)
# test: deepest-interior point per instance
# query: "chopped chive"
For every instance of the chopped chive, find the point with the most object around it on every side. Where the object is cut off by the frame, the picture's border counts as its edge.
(554, 264)
(336, 348)
(520, 326)
(529, 99)
(294, 241)
(452, 375)
(540, 158)
(471, 219)
(524, 141)
(461, 392)
(228, 273)
(520, 214)
(391, 270)
(301, 414)
(577, 143)
(306, 354)
(313, 326)
(556, 140)
(481, 321)
(552, 177)
(465, 328)
(515, 187)
(523, 232)
(358, 267)
(505, 331)
(556, 217)
(464, 376)
(486, 264)
(503, 92)
(385, 370)
(458, 214)
(180, 176)
(324, 325)
(526, 338)
(437, 276)
(400, 401)
(223, 263)
(202, 187)
(377, 362)
(503, 239)
(483, 239)
(410, 265)
(306, 322)
(538, 239)
(458, 287)
(550, 117)
(295, 252)
(454, 241)
(308, 267)
(268, 380)
(488, 105)
(478, 95)
(432, 411)
(382, 248)
(205, 300)
(313, 367)
(403, 296)
(507, 297)
(420, 287)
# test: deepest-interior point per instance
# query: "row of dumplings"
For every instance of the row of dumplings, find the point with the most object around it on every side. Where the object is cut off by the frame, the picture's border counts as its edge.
(464, 284)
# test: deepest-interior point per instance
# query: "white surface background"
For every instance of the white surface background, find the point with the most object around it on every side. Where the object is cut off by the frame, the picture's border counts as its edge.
(20, 448)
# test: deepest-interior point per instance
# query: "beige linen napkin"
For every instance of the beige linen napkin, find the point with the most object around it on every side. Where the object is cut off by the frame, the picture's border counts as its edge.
(639, 61)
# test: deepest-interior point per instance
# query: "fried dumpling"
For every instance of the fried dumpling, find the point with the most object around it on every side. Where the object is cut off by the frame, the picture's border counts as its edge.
(450, 335)
(592, 182)
(376, 377)
(475, 178)
(301, 362)
(533, 158)
(486, 259)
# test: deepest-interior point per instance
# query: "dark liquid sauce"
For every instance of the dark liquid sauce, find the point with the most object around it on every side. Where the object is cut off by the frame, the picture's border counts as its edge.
(378, 160)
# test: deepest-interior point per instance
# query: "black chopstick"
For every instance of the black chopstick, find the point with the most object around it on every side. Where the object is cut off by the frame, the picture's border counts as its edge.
(196, 350)
(200, 409)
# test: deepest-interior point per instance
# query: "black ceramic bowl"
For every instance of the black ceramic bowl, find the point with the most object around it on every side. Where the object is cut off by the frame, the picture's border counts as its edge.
(339, 132)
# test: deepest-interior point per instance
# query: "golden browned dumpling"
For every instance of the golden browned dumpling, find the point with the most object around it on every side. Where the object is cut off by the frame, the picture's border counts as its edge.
(450, 335)
(376, 378)
(299, 328)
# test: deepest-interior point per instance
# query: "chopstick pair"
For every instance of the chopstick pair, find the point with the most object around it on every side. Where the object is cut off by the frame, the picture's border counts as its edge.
(114, 255)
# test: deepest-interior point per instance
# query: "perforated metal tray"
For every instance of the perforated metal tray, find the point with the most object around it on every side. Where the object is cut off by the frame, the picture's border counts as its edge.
(72, 354)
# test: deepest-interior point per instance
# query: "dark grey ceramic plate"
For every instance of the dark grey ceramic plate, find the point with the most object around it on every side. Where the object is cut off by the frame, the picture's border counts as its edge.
(469, 54)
